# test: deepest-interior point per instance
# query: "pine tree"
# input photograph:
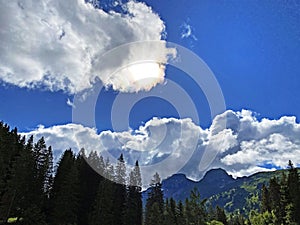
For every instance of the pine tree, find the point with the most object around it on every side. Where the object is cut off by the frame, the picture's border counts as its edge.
(103, 207)
(188, 212)
(89, 181)
(18, 180)
(155, 202)
(265, 199)
(134, 205)
(120, 192)
(9, 155)
(293, 187)
(274, 193)
(180, 213)
(64, 197)
(197, 208)
(173, 212)
(23, 181)
(49, 170)
(220, 215)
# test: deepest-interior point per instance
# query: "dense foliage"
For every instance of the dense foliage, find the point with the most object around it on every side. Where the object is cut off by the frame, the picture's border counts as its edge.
(31, 192)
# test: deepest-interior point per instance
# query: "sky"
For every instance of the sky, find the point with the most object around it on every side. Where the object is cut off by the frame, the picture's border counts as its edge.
(181, 86)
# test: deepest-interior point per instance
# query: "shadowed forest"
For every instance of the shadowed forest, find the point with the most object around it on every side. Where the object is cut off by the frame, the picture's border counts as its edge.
(33, 191)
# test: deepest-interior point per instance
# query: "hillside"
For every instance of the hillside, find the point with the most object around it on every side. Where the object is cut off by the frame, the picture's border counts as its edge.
(220, 188)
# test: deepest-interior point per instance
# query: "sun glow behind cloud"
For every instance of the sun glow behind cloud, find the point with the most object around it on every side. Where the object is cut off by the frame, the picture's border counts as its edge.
(58, 45)
(140, 76)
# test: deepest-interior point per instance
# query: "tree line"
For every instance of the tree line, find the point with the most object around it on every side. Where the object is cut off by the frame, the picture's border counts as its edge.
(280, 200)
(33, 191)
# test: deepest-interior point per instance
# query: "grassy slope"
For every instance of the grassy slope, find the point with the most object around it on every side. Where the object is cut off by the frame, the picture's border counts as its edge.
(245, 194)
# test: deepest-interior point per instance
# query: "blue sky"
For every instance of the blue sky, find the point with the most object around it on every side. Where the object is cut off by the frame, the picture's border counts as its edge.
(252, 47)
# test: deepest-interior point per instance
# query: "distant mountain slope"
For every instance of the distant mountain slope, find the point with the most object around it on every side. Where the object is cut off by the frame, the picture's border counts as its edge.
(220, 188)
(214, 181)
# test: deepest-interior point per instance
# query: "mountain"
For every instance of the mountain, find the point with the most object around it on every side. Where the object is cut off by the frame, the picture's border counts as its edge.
(220, 189)
(179, 186)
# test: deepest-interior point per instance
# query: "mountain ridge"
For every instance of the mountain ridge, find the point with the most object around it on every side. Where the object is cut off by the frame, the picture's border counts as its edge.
(220, 188)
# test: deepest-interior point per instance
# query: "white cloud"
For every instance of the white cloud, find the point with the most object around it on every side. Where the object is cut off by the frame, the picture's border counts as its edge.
(187, 31)
(150, 144)
(70, 103)
(58, 45)
(244, 146)
(271, 142)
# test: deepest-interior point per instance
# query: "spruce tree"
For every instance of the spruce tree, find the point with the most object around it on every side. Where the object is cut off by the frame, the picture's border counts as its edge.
(197, 208)
(220, 215)
(134, 205)
(173, 212)
(103, 207)
(120, 192)
(274, 193)
(89, 180)
(9, 154)
(180, 213)
(64, 197)
(293, 187)
(21, 193)
(155, 202)
(265, 199)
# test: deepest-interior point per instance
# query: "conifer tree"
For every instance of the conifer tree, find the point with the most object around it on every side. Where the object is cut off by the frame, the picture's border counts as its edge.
(120, 192)
(103, 207)
(18, 180)
(274, 193)
(64, 197)
(89, 180)
(265, 199)
(220, 215)
(134, 205)
(197, 208)
(293, 187)
(173, 212)
(180, 213)
(155, 202)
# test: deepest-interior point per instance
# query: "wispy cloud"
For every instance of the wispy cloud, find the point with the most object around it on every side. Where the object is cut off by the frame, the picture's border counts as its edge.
(187, 31)
(70, 103)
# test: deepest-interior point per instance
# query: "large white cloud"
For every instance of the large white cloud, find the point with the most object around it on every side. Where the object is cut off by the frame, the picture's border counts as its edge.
(153, 143)
(59, 45)
(245, 146)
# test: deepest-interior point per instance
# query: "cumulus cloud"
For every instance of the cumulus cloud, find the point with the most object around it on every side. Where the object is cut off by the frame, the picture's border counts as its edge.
(59, 45)
(242, 146)
(260, 143)
(151, 144)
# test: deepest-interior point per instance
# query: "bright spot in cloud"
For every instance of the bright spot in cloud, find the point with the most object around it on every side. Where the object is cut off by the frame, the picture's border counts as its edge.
(58, 45)
(140, 76)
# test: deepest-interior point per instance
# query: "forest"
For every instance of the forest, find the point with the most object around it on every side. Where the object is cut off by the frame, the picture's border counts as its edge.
(34, 191)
